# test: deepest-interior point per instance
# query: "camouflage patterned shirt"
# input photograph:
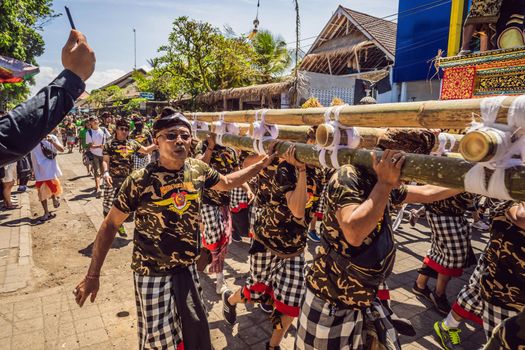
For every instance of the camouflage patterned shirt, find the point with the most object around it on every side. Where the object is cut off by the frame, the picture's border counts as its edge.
(275, 227)
(120, 156)
(166, 205)
(223, 160)
(349, 186)
(260, 184)
(503, 280)
(510, 334)
(454, 206)
(142, 137)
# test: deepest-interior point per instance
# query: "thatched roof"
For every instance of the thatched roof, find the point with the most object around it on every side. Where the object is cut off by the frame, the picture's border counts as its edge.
(351, 39)
(247, 93)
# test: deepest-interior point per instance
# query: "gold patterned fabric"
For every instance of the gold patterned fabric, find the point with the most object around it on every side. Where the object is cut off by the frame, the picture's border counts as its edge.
(454, 206)
(120, 156)
(510, 334)
(143, 138)
(484, 11)
(223, 160)
(503, 281)
(350, 186)
(458, 83)
(276, 227)
(166, 205)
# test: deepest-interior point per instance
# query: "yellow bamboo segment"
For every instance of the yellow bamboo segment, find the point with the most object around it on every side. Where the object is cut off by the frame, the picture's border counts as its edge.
(290, 132)
(244, 128)
(441, 171)
(324, 136)
(453, 114)
(479, 146)
(369, 136)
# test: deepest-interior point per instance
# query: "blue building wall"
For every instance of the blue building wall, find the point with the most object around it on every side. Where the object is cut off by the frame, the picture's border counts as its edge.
(422, 29)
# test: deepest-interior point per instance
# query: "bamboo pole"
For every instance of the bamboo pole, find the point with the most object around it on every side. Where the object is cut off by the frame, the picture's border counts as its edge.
(286, 132)
(428, 114)
(441, 171)
(369, 137)
(324, 136)
(290, 132)
(479, 146)
(244, 128)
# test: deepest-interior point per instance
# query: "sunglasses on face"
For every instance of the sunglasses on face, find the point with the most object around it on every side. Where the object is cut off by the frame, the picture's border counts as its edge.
(171, 136)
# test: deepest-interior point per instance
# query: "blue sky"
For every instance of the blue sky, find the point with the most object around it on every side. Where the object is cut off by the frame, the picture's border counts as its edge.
(108, 25)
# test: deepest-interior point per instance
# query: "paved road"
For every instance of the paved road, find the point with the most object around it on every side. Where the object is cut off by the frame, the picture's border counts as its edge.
(41, 313)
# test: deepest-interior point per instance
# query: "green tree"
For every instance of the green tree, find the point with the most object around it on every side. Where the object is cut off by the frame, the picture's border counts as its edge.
(112, 95)
(133, 105)
(115, 95)
(199, 58)
(162, 83)
(98, 98)
(20, 24)
(273, 58)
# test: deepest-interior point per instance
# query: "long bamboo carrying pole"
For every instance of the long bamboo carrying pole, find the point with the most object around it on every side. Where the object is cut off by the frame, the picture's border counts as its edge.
(442, 171)
(324, 134)
(427, 114)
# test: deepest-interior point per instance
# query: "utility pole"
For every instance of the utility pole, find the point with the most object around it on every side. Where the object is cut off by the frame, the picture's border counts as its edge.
(135, 47)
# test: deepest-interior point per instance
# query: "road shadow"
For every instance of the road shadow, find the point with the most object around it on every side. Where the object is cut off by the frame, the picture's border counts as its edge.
(78, 177)
(118, 243)
(82, 196)
(21, 222)
(3, 216)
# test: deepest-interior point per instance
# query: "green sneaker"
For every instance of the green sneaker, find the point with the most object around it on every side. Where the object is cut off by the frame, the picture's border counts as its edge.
(449, 337)
(122, 231)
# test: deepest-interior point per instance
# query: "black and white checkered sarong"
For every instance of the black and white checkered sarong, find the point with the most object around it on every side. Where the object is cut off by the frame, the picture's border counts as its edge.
(159, 313)
(321, 204)
(322, 326)
(140, 162)
(450, 240)
(493, 316)
(237, 196)
(110, 193)
(285, 277)
(254, 211)
(214, 223)
(469, 297)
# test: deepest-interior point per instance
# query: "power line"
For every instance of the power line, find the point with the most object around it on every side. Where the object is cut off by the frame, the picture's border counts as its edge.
(422, 8)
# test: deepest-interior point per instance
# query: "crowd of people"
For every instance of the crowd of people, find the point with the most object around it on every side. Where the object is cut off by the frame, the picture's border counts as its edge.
(189, 199)
(191, 203)
(95, 137)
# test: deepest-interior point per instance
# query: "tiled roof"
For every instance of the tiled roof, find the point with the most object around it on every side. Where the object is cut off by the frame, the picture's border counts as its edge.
(383, 31)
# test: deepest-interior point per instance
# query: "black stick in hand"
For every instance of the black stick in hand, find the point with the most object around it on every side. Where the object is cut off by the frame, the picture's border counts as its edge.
(70, 18)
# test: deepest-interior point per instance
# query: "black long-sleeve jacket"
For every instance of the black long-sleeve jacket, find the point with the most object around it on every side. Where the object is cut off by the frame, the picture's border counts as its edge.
(26, 125)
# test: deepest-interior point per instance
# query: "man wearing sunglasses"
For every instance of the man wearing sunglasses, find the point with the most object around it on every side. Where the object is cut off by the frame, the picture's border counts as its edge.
(117, 164)
(165, 197)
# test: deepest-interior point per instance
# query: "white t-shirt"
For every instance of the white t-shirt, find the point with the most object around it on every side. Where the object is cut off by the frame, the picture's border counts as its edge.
(45, 168)
(97, 137)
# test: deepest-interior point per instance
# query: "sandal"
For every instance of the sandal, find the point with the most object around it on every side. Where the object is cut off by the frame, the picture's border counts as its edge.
(56, 202)
(46, 217)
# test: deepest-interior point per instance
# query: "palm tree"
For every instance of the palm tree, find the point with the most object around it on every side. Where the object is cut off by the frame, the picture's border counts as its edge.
(273, 58)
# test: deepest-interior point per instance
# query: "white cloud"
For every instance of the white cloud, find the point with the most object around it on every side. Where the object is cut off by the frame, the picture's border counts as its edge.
(101, 78)
(98, 79)
(46, 75)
